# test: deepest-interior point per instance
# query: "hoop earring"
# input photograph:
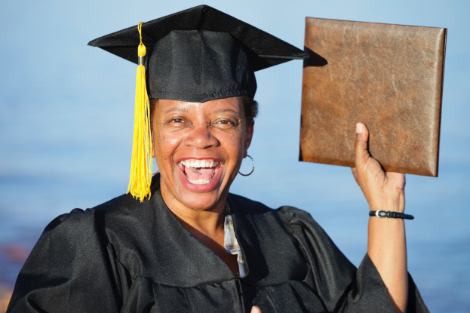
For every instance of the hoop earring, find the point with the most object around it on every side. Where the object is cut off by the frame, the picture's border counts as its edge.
(251, 170)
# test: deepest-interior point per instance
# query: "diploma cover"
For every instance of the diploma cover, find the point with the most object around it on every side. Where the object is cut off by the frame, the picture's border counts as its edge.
(390, 77)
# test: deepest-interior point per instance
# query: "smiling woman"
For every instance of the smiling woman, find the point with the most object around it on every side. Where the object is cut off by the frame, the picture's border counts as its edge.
(186, 134)
(186, 244)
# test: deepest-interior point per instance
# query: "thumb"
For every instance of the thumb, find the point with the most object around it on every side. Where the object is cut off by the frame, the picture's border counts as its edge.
(255, 309)
(362, 136)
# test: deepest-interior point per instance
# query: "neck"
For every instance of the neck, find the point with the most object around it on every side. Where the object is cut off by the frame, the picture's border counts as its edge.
(208, 222)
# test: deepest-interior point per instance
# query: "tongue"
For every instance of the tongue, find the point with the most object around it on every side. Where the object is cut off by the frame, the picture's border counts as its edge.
(199, 173)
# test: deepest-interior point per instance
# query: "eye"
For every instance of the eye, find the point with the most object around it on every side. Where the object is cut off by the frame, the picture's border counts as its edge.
(224, 123)
(177, 121)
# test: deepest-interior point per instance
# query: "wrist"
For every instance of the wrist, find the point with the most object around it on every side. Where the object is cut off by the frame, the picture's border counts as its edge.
(389, 202)
(397, 209)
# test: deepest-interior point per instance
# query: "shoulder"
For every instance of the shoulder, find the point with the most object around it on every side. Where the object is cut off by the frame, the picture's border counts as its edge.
(72, 227)
(71, 253)
(117, 204)
(247, 205)
(285, 221)
(79, 225)
(297, 217)
(287, 214)
(80, 216)
(127, 208)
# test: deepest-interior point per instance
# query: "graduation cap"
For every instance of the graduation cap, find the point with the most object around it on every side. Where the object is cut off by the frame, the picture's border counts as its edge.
(195, 55)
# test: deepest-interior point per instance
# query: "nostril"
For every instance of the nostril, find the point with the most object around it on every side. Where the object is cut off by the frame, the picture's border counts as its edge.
(201, 138)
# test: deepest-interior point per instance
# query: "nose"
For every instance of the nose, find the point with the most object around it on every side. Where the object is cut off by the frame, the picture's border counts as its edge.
(201, 137)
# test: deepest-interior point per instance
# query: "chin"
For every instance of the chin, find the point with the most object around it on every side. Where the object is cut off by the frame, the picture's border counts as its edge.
(201, 202)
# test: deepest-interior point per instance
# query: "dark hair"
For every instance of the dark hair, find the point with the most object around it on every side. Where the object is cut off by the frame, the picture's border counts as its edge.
(250, 106)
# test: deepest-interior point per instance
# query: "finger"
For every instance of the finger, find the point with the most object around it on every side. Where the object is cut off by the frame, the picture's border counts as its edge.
(362, 135)
(255, 309)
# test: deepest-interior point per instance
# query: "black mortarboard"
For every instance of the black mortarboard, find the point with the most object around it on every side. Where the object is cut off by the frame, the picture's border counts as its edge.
(200, 54)
(195, 55)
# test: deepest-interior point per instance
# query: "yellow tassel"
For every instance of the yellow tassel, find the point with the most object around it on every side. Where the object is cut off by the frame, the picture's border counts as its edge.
(142, 163)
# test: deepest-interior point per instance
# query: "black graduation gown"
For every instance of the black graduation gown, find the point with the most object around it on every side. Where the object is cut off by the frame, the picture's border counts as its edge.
(127, 256)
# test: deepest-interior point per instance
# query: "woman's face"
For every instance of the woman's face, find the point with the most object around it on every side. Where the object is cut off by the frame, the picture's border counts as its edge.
(199, 148)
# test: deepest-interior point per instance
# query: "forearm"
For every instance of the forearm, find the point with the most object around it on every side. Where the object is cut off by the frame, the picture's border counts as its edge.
(386, 243)
(387, 250)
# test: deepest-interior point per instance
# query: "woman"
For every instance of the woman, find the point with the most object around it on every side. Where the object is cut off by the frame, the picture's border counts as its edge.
(187, 244)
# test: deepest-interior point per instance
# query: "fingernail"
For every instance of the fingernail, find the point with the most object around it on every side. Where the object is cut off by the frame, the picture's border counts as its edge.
(358, 128)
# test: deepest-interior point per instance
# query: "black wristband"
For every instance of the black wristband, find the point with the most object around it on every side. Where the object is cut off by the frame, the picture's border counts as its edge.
(389, 214)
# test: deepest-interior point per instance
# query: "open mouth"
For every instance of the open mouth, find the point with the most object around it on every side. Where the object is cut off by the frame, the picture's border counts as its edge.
(199, 172)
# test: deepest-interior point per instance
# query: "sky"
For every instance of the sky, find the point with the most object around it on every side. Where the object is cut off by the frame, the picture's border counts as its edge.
(66, 120)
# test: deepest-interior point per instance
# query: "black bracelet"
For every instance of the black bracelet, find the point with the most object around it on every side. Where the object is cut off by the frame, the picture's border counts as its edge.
(389, 214)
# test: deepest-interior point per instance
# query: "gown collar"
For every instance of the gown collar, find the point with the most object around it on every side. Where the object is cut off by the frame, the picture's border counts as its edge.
(196, 263)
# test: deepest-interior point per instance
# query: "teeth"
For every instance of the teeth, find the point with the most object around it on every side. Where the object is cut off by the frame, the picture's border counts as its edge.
(199, 163)
(199, 182)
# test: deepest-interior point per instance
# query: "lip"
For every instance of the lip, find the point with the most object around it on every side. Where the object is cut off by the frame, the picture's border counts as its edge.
(213, 184)
(199, 158)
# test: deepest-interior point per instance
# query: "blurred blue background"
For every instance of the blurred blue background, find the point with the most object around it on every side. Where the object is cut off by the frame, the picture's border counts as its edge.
(66, 121)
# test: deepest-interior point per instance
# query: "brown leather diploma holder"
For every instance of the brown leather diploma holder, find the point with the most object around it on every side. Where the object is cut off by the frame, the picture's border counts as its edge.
(389, 77)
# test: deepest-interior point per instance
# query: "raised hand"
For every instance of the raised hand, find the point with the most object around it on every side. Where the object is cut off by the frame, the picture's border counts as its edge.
(383, 190)
(386, 236)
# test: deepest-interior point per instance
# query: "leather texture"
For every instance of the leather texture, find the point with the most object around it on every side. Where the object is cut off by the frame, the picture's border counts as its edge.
(390, 77)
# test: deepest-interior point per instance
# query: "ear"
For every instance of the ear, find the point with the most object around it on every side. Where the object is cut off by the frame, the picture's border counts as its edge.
(248, 136)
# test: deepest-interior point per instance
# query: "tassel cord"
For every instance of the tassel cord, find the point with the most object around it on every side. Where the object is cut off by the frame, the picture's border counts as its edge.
(142, 163)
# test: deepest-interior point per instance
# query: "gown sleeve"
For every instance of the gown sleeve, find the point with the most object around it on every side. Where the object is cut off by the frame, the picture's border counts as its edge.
(341, 286)
(69, 269)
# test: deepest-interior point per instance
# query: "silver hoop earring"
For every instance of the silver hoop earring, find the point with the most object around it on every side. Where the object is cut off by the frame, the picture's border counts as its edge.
(251, 170)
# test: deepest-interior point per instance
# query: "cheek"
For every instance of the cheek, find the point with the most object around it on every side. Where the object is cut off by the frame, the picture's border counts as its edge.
(167, 140)
(164, 144)
(234, 145)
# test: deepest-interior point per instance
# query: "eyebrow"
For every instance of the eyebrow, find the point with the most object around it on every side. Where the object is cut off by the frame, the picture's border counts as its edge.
(177, 109)
(226, 110)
